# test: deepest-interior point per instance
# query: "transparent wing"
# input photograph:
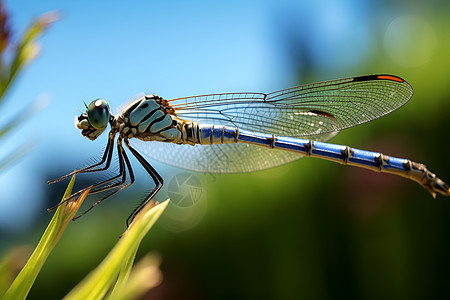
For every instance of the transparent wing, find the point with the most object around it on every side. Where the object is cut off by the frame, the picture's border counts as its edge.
(315, 111)
(303, 110)
(224, 158)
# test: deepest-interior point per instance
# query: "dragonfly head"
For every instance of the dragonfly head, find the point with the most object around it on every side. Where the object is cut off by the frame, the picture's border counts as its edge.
(95, 120)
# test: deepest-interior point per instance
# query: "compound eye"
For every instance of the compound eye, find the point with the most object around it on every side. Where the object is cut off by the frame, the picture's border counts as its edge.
(98, 113)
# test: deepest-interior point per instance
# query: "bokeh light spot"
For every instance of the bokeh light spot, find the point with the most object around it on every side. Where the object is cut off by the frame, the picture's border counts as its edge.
(410, 41)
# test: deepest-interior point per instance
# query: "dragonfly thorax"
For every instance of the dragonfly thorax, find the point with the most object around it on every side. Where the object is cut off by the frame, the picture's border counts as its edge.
(151, 118)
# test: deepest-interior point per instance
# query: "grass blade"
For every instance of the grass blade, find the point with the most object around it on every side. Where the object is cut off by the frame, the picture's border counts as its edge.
(99, 281)
(144, 276)
(65, 212)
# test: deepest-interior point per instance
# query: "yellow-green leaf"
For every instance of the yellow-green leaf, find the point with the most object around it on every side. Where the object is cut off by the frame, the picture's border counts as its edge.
(65, 212)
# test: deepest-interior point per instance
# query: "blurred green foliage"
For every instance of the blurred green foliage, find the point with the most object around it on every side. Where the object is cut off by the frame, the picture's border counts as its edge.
(113, 275)
(22, 284)
(14, 56)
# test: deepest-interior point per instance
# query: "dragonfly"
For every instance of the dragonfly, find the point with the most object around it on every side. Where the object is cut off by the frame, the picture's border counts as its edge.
(246, 132)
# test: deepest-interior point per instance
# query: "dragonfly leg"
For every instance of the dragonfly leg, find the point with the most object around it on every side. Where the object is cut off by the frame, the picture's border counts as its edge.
(106, 157)
(120, 185)
(155, 176)
(97, 188)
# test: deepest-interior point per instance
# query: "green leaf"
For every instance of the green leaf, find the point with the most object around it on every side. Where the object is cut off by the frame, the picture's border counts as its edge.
(124, 275)
(99, 281)
(65, 212)
(144, 276)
